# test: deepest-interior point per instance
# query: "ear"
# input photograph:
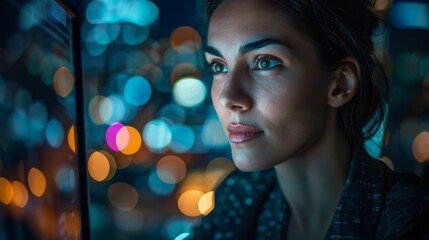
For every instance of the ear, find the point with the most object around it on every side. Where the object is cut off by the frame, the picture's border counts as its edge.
(344, 83)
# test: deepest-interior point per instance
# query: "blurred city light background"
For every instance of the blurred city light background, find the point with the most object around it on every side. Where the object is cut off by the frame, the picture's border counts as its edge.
(155, 149)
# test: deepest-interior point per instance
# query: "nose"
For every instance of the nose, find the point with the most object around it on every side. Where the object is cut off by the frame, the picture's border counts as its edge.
(234, 95)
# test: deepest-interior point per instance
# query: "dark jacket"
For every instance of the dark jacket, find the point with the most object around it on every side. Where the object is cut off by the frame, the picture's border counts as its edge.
(376, 203)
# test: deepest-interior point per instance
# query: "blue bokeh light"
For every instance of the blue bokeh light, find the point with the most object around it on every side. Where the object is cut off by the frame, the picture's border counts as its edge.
(139, 12)
(19, 123)
(183, 138)
(177, 227)
(213, 134)
(410, 15)
(158, 186)
(94, 48)
(157, 135)
(137, 91)
(134, 34)
(54, 133)
(37, 116)
(173, 113)
(66, 179)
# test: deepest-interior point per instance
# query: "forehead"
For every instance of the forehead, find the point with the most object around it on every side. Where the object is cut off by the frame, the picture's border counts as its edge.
(239, 21)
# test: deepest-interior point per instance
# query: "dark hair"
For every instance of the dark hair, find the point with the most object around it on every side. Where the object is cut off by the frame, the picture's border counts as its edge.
(341, 28)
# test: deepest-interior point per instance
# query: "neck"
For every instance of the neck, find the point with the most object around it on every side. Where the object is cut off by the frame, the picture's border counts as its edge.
(312, 184)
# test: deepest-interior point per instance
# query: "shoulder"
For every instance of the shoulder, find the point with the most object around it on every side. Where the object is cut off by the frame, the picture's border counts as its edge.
(406, 208)
(238, 200)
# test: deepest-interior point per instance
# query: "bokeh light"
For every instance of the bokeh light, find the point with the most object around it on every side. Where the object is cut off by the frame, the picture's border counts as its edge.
(213, 134)
(37, 116)
(184, 70)
(410, 15)
(188, 203)
(99, 166)
(95, 49)
(382, 5)
(189, 92)
(19, 123)
(206, 203)
(137, 91)
(71, 138)
(177, 226)
(122, 196)
(54, 133)
(158, 186)
(174, 166)
(20, 194)
(112, 109)
(216, 170)
(128, 140)
(94, 109)
(63, 81)
(420, 147)
(173, 113)
(185, 39)
(134, 34)
(157, 135)
(142, 13)
(183, 138)
(111, 133)
(36, 182)
(70, 224)
(66, 179)
(6, 191)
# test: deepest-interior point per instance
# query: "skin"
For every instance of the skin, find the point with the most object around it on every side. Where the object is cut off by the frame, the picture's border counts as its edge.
(267, 75)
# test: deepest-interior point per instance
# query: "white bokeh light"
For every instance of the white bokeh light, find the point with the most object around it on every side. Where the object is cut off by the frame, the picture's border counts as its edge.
(189, 92)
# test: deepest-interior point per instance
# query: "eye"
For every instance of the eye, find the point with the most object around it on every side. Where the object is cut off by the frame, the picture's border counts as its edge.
(218, 68)
(266, 63)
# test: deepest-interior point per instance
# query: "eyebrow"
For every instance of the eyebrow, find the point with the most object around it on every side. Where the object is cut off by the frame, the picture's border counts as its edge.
(251, 46)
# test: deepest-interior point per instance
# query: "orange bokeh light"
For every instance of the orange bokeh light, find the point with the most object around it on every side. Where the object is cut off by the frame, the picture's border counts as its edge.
(20, 194)
(184, 70)
(36, 182)
(420, 147)
(173, 165)
(98, 166)
(188, 203)
(71, 138)
(6, 191)
(185, 39)
(63, 81)
(128, 140)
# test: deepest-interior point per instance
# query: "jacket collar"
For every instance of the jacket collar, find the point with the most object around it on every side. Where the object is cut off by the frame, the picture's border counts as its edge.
(359, 208)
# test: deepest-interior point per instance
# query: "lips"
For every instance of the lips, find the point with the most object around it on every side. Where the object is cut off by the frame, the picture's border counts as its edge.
(239, 133)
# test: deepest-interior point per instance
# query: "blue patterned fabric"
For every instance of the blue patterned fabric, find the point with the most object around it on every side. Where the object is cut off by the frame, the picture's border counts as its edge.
(376, 203)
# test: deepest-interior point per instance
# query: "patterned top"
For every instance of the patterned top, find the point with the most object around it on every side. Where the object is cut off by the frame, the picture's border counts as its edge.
(376, 203)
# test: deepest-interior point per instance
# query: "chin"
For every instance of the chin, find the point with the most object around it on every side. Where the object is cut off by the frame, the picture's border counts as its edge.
(250, 164)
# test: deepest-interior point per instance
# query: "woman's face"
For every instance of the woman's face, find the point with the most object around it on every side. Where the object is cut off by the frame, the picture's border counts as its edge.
(268, 89)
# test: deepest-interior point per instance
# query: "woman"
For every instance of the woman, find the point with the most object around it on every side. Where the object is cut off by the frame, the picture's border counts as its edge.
(293, 87)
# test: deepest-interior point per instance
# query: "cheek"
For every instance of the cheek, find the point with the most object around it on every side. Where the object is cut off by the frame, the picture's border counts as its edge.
(215, 91)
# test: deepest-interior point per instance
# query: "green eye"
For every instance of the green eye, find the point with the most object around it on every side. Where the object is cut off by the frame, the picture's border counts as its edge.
(266, 63)
(217, 68)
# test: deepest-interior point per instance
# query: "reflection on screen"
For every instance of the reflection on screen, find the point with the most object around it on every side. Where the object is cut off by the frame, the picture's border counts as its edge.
(39, 196)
